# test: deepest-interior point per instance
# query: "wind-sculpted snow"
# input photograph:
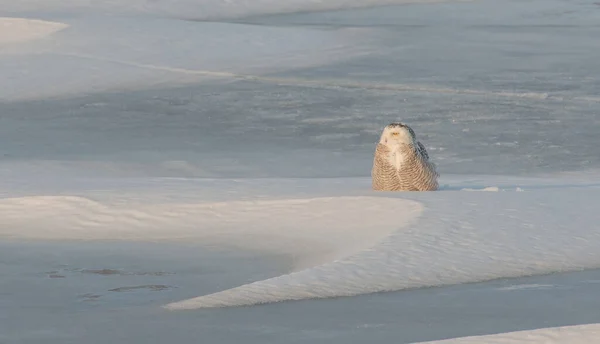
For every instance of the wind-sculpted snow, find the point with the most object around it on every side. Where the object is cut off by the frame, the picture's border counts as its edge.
(347, 245)
(463, 237)
(311, 231)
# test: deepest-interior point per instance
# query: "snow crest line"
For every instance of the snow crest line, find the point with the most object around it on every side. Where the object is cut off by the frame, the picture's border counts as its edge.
(339, 83)
(466, 237)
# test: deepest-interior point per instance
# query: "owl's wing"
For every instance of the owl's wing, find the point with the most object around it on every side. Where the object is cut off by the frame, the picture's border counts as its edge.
(422, 151)
(425, 171)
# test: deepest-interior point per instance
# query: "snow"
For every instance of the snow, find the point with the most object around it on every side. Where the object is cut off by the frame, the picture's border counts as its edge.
(449, 245)
(15, 30)
(241, 225)
(141, 53)
(203, 9)
(161, 156)
(568, 334)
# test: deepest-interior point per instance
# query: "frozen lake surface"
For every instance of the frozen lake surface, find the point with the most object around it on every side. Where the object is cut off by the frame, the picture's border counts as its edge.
(99, 292)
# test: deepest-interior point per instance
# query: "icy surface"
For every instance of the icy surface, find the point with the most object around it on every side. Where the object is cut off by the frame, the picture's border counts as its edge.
(199, 9)
(313, 87)
(106, 53)
(112, 291)
(582, 334)
(151, 158)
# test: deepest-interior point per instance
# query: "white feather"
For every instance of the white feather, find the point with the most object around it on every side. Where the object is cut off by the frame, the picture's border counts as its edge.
(393, 138)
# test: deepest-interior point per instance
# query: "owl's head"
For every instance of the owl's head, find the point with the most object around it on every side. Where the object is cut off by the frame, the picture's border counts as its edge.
(397, 133)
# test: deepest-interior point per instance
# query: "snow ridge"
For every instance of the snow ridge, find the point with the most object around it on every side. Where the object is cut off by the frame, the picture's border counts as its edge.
(505, 234)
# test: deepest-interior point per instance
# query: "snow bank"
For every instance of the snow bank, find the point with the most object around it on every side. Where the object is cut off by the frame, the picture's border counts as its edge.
(14, 30)
(580, 334)
(342, 245)
(201, 9)
(312, 231)
(462, 237)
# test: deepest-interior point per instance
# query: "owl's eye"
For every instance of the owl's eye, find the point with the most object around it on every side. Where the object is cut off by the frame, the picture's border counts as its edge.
(395, 134)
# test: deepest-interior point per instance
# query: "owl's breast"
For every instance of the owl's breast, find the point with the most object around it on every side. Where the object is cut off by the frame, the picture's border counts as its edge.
(396, 157)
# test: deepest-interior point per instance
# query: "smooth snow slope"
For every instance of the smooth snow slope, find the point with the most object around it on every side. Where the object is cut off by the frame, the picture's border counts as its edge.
(582, 334)
(310, 231)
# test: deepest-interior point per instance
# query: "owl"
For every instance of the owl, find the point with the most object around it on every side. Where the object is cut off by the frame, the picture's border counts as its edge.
(401, 162)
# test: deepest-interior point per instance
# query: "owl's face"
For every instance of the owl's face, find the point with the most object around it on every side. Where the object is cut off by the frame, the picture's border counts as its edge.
(397, 133)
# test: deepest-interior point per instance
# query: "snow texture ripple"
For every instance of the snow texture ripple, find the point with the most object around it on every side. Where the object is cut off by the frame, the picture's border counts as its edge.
(505, 234)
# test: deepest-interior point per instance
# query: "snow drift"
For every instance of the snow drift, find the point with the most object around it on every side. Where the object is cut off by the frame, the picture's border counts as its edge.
(342, 245)
(311, 231)
(580, 334)
(14, 30)
(462, 237)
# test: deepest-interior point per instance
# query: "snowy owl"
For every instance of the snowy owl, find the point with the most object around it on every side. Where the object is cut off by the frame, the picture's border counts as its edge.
(401, 162)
